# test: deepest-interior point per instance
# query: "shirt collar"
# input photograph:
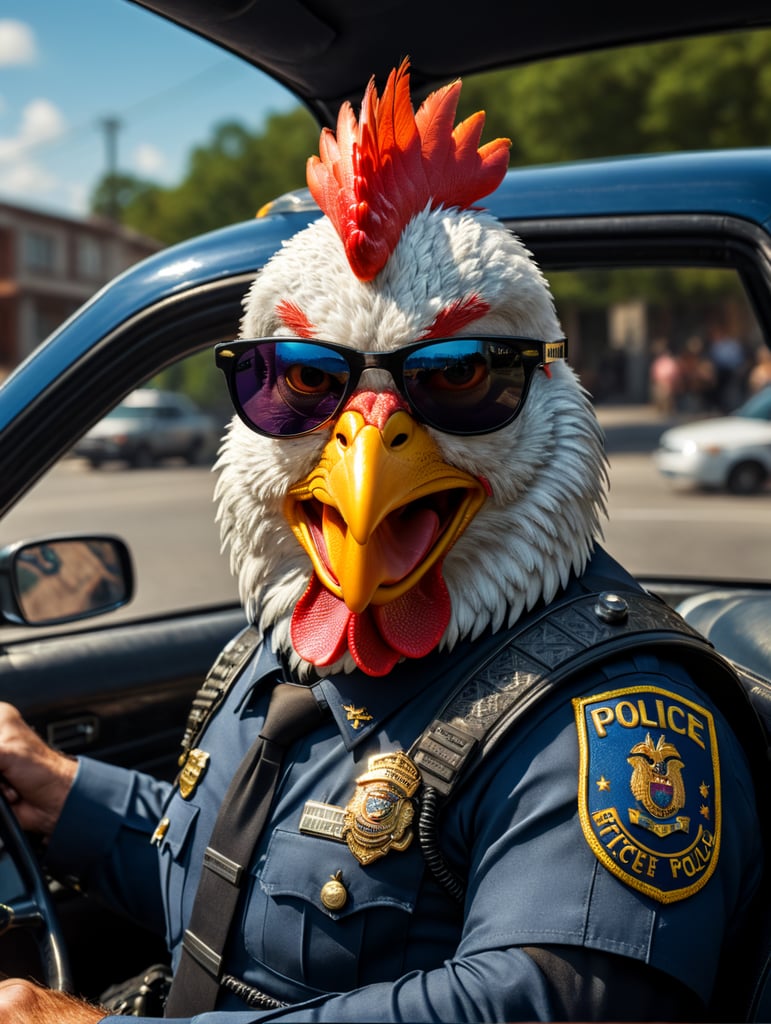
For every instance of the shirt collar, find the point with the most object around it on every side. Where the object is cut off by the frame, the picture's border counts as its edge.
(359, 703)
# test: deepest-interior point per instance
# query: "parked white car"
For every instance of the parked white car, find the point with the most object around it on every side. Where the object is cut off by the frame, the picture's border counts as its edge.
(728, 452)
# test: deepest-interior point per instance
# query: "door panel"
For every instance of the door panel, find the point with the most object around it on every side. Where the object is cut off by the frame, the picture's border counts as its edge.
(121, 693)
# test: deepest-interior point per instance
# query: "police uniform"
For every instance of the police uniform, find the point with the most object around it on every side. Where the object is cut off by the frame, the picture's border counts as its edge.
(618, 818)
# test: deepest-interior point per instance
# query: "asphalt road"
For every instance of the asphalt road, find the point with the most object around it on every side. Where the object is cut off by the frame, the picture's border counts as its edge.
(167, 516)
(656, 529)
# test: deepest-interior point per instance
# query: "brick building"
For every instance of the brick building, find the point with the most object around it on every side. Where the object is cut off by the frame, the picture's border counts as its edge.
(49, 266)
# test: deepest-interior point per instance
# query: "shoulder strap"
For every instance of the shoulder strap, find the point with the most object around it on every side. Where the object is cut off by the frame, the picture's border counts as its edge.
(530, 662)
(537, 657)
(226, 669)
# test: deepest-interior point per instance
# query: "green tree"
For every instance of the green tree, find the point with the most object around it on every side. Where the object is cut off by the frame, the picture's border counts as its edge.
(705, 92)
(713, 92)
(115, 193)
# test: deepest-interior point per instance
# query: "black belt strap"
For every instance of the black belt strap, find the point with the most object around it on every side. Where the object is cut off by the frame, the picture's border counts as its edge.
(293, 711)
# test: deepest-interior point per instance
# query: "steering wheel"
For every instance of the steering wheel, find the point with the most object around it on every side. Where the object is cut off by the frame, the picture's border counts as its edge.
(34, 908)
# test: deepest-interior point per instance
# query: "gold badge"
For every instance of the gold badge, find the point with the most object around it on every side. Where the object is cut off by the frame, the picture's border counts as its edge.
(192, 772)
(380, 813)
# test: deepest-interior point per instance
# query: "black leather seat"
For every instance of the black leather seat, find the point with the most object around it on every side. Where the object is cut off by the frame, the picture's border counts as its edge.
(738, 623)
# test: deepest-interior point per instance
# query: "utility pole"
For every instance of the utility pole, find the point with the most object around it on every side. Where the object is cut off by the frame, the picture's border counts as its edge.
(111, 126)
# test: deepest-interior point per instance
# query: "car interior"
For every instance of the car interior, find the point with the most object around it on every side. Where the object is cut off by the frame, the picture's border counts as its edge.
(117, 685)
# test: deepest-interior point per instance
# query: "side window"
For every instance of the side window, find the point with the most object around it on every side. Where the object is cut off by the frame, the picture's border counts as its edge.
(149, 486)
(677, 367)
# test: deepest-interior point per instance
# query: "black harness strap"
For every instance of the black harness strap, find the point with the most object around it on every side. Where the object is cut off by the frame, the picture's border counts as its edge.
(226, 669)
(535, 659)
(531, 661)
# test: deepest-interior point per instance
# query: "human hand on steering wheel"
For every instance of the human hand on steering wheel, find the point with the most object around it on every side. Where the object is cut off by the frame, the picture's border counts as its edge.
(34, 782)
(34, 778)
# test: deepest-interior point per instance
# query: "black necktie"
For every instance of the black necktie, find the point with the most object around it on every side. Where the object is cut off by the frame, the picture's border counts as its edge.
(293, 710)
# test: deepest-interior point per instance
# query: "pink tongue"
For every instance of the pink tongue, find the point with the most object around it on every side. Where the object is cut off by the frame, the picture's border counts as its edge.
(401, 542)
(411, 626)
(404, 541)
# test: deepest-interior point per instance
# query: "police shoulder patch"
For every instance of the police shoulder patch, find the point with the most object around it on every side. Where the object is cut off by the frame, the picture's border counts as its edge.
(649, 789)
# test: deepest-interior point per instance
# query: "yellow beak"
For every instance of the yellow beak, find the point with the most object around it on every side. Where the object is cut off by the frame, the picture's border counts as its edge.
(380, 508)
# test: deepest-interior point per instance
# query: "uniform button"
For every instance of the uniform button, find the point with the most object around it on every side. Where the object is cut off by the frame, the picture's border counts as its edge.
(334, 894)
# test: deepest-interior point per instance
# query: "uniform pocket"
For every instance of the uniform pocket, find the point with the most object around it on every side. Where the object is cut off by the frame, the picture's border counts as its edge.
(173, 850)
(290, 929)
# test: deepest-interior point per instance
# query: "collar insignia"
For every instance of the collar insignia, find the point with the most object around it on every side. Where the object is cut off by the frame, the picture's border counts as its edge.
(356, 715)
(379, 815)
(649, 789)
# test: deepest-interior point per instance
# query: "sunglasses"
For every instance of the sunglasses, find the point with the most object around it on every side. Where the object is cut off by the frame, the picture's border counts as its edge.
(287, 387)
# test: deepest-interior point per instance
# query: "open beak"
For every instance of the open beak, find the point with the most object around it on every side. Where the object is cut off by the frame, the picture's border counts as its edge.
(380, 508)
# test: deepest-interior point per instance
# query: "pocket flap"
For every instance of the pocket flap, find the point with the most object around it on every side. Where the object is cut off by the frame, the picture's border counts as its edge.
(301, 865)
(179, 828)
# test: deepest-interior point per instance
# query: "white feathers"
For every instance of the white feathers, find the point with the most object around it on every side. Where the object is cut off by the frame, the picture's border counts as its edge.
(546, 470)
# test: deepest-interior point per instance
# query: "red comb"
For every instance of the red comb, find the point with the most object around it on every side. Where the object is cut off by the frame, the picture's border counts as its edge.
(376, 174)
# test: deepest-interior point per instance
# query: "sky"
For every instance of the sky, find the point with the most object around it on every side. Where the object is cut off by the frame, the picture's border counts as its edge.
(69, 67)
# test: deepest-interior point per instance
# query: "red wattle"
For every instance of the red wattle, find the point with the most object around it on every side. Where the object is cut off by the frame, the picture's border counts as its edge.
(411, 626)
(370, 652)
(319, 625)
(414, 623)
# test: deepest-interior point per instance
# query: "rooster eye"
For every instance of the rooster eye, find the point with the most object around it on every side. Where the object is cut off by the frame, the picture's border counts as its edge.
(461, 376)
(308, 380)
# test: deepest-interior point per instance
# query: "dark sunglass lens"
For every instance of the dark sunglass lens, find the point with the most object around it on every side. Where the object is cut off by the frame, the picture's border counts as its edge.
(466, 386)
(287, 388)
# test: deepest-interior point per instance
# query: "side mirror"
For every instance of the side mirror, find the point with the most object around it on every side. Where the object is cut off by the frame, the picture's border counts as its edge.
(64, 579)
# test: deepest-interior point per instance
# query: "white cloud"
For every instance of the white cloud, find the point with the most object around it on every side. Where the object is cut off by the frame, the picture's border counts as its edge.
(148, 160)
(17, 43)
(20, 173)
(41, 122)
(25, 177)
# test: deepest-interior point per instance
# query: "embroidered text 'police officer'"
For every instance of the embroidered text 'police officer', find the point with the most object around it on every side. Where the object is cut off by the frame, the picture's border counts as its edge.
(293, 711)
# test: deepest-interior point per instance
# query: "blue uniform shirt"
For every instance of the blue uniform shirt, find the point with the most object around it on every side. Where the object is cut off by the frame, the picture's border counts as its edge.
(401, 948)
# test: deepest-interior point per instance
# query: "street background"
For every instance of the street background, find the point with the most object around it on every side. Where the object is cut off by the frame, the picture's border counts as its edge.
(166, 514)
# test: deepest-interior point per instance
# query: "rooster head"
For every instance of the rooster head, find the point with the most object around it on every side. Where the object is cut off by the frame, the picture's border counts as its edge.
(412, 461)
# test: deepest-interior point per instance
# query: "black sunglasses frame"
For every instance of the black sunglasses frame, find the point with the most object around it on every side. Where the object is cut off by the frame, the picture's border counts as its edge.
(533, 351)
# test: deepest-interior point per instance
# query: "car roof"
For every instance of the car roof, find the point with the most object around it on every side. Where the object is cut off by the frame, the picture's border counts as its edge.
(325, 51)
